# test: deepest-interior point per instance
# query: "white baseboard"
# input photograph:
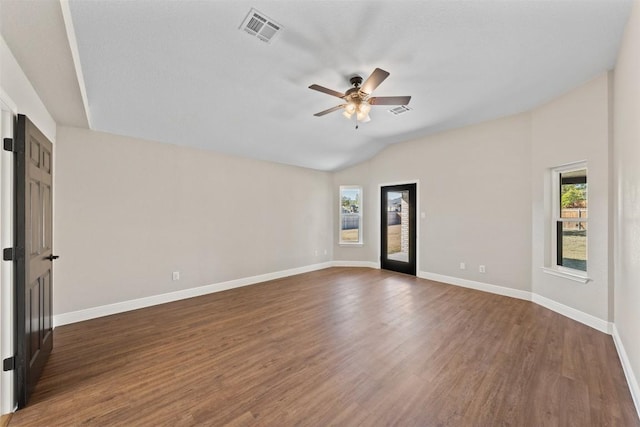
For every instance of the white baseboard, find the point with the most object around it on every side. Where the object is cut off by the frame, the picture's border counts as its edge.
(494, 289)
(120, 307)
(634, 387)
(368, 264)
(572, 313)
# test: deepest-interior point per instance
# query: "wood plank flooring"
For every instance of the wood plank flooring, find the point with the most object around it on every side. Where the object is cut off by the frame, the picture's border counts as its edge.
(341, 346)
(4, 420)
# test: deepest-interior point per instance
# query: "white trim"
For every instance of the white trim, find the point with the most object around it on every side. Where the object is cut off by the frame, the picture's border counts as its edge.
(554, 268)
(367, 264)
(7, 111)
(8, 103)
(75, 54)
(565, 274)
(360, 241)
(570, 167)
(572, 313)
(120, 307)
(471, 284)
(634, 387)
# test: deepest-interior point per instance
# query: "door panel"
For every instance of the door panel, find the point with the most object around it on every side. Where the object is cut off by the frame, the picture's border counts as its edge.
(33, 265)
(398, 228)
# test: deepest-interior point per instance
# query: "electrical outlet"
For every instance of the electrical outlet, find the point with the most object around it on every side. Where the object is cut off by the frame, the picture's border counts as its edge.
(176, 275)
(316, 252)
(325, 251)
(482, 269)
(463, 266)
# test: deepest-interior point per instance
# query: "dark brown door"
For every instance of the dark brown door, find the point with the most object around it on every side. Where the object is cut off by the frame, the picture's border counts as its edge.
(398, 228)
(33, 256)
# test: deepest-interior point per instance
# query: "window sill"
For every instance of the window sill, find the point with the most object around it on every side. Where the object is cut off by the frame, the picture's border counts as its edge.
(566, 274)
(353, 245)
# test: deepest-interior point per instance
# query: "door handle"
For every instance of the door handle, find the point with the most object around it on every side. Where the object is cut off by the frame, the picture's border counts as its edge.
(52, 257)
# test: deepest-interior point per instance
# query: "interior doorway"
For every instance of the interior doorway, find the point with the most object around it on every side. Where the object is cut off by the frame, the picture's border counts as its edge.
(398, 228)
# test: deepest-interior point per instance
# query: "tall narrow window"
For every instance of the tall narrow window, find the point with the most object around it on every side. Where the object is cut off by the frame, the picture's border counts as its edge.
(571, 217)
(350, 214)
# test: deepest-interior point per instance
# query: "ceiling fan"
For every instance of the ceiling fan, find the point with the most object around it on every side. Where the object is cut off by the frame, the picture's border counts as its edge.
(358, 99)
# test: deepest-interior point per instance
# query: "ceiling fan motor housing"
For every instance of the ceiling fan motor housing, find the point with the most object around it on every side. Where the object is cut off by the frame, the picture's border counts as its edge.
(352, 93)
(355, 94)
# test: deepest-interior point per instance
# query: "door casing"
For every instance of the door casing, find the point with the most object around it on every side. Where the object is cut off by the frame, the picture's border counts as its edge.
(8, 111)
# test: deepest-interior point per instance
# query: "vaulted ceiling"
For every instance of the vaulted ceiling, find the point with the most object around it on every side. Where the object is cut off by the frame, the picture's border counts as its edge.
(184, 72)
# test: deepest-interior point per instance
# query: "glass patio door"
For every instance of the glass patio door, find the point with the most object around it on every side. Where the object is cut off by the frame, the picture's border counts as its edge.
(398, 228)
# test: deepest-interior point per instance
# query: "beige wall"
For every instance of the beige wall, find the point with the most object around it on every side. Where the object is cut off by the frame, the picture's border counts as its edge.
(571, 128)
(484, 190)
(15, 86)
(130, 212)
(627, 194)
(474, 188)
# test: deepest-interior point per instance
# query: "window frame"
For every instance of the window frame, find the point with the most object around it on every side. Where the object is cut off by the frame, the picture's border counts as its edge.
(360, 216)
(556, 219)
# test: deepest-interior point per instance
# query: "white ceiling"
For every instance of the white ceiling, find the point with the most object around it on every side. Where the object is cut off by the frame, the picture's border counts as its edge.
(182, 72)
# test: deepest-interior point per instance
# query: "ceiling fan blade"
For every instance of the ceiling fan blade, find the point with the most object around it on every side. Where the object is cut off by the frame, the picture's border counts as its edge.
(327, 91)
(389, 100)
(374, 80)
(330, 110)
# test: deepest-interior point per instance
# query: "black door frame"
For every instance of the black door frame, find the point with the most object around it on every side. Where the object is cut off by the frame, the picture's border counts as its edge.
(410, 267)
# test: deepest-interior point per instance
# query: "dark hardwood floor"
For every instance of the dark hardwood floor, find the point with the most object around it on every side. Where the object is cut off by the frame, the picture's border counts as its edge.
(342, 346)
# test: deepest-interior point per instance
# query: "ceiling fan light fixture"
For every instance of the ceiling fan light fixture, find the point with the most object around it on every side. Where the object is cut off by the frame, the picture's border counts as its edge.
(350, 108)
(362, 111)
(358, 99)
(362, 116)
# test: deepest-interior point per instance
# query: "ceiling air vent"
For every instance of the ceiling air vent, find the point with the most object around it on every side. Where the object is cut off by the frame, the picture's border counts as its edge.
(400, 110)
(259, 25)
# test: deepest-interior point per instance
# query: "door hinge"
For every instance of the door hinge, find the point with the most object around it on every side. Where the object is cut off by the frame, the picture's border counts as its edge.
(12, 145)
(7, 254)
(9, 364)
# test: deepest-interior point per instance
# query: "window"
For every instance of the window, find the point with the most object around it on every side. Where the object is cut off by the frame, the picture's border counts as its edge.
(350, 214)
(570, 211)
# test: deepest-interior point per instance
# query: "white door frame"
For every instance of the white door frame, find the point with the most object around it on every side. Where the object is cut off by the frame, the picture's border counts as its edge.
(8, 110)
